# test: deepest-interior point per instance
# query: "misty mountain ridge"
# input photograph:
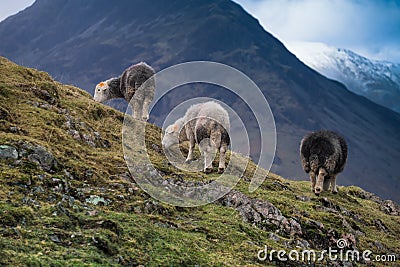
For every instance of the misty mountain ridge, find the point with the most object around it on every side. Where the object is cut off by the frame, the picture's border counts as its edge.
(84, 43)
(377, 80)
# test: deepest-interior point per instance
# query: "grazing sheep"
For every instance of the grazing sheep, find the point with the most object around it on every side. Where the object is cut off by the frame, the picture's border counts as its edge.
(206, 124)
(323, 156)
(126, 86)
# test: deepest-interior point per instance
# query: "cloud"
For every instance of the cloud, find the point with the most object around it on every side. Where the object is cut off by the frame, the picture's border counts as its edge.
(8, 8)
(368, 27)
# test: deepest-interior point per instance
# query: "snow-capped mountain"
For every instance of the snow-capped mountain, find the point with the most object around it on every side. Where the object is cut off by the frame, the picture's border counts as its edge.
(378, 81)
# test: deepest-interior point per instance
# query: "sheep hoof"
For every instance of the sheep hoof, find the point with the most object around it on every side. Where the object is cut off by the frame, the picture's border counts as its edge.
(207, 170)
(334, 191)
(221, 170)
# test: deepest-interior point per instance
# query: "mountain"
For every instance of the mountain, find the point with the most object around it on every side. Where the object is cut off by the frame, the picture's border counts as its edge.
(82, 43)
(67, 198)
(379, 81)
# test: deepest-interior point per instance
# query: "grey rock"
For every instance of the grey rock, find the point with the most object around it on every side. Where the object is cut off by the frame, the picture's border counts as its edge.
(55, 239)
(97, 134)
(14, 129)
(282, 186)
(75, 134)
(380, 225)
(38, 190)
(43, 158)
(303, 198)
(326, 202)
(379, 245)
(390, 207)
(8, 152)
(315, 224)
(301, 243)
(156, 148)
(274, 237)
(366, 195)
(261, 213)
(17, 163)
(96, 200)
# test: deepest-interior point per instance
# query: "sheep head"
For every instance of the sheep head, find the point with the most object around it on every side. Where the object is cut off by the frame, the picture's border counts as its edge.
(107, 90)
(171, 136)
(101, 92)
(174, 133)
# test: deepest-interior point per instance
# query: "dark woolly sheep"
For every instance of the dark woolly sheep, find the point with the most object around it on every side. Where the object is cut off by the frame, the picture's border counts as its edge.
(323, 155)
(127, 86)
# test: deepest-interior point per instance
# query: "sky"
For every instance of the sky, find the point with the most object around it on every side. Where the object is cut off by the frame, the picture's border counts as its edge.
(368, 27)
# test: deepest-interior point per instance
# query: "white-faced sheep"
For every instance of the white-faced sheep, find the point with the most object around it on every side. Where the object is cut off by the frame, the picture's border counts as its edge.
(206, 124)
(323, 155)
(128, 86)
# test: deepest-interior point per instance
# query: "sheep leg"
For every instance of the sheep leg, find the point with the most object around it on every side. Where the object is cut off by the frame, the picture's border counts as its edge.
(320, 180)
(145, 111)
(191, 148)
(327, 182)
(138, 98)
(333, 184)
(207, 160)
(148, 98)
(205, 149)
(216, 143)
(221, 165)
(313, 180)
(312, 167)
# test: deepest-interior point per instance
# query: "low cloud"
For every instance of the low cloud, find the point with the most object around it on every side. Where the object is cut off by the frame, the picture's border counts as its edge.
(8, 8)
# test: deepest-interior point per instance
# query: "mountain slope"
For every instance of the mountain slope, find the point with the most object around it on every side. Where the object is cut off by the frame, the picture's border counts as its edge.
(379, 81)
(84, 43)
(66, 197)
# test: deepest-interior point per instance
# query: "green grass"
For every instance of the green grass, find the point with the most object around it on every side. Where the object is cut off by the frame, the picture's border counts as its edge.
(46, 220)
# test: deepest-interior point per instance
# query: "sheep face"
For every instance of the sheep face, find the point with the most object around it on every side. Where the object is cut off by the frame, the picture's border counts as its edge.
(171, 136)
(101, 92)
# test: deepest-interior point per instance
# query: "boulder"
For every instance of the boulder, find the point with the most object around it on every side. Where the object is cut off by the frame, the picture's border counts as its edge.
(8, 152)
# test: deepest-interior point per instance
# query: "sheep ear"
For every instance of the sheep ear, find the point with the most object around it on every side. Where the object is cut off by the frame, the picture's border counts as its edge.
(175, 128)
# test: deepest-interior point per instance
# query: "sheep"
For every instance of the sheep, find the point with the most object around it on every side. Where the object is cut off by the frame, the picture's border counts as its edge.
(206, 124)
(323, 154)
(126, 86)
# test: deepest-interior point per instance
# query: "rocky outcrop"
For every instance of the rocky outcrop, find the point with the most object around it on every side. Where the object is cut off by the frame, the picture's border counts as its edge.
(390, 207)
(261, 213)
(36, 154)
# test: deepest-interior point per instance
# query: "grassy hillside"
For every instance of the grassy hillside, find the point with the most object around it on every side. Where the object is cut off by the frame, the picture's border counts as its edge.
(67, 199)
